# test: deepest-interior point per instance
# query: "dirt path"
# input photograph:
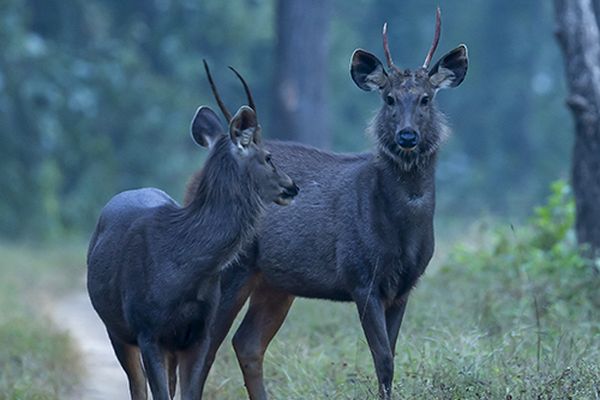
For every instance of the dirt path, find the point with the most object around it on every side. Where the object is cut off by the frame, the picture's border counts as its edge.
(103, 377)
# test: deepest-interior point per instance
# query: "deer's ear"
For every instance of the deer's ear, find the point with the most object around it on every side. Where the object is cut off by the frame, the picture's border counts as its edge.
(451, 69)
(244, 128)
(367, 71)
(206, 127)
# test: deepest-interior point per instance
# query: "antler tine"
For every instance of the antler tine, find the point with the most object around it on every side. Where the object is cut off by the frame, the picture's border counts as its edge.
(436, 37)
(246, 89)
(222, 106)
(386, 47)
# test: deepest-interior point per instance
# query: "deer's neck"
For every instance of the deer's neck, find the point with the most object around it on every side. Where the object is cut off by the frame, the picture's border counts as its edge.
(411, 187)
(222, 216)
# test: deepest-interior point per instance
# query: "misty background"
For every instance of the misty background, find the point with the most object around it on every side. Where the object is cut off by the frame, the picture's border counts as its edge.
(97, 96)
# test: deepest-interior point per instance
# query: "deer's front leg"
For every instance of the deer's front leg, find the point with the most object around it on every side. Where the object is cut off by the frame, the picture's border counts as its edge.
(372, 316)
(190, 368)
(393, 320)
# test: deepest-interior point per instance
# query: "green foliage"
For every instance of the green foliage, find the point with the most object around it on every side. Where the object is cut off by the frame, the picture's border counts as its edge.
(512, 313)
(96, 97)
(545, 247)
(36, 360)
(553, 222)
(534, 300)
(92, 108)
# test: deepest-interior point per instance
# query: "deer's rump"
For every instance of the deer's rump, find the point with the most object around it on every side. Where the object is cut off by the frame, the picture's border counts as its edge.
(108, 265)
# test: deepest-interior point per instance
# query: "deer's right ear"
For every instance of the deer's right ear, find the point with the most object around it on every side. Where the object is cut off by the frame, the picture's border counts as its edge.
(244, 128)
(206, 127)
(367, 71)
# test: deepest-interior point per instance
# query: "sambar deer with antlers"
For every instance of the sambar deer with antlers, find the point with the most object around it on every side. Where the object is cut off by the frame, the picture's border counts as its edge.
(362, 230)
(154, 267)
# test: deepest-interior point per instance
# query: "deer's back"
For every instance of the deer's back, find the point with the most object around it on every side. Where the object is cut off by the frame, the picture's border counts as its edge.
(119, 214)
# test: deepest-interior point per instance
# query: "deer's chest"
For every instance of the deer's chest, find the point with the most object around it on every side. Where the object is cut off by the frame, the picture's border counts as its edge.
(398, 279)
(405, 263)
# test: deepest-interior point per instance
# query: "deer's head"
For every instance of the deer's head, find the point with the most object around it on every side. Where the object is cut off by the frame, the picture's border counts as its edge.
(408, 127)
(245, 144)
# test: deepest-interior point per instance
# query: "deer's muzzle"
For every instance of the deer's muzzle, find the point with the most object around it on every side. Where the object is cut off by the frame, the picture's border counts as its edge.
(407, 139)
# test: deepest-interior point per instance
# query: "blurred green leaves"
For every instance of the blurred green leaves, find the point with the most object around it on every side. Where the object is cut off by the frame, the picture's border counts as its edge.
(540, 259)
(96, 97)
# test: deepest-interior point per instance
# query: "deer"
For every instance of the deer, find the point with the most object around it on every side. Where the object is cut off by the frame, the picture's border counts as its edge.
(154, 266)
(362, 230)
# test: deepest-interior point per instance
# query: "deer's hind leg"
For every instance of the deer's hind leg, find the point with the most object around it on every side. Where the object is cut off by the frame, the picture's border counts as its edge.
(130, 359)
(266, 313)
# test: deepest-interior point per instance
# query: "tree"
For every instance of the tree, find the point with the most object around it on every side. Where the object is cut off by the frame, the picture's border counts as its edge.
(579, 38)
(300, 110)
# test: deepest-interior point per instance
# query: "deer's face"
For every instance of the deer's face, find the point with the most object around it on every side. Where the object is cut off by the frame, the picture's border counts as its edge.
(264, 179)
(271, 184)
(406, 120)
(408, 126)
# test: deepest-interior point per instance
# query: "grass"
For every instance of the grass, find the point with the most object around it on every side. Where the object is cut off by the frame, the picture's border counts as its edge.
(479, 326)
(462, 338)
(36, 360)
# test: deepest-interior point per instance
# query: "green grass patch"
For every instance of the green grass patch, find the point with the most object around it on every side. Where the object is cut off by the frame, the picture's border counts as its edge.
(36, 360)
(510, 313)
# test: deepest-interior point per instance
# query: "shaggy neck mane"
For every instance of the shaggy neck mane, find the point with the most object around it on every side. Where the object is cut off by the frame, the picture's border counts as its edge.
(223, 213)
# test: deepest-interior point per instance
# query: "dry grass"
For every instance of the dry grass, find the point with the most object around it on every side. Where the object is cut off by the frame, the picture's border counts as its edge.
(36, 360)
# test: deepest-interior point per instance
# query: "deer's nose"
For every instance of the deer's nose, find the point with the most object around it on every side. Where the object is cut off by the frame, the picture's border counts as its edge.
(291, 191)
(407, 138)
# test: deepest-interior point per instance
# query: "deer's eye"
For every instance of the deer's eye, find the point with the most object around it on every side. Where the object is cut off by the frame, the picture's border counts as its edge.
(424, 100)
(268, 160)
(389, 100)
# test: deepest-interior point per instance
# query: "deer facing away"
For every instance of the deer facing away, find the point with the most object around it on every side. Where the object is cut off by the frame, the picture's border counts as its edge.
(153, 266)
(362, 231)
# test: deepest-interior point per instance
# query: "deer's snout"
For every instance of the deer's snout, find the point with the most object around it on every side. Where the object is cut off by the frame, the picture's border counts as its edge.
(291, 190)
(407, 138)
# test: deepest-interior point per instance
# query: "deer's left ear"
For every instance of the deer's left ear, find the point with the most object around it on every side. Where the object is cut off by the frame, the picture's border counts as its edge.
(451, 69)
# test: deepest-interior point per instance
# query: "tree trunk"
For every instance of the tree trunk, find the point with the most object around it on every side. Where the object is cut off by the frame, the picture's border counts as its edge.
(579, 38)
(300, 109)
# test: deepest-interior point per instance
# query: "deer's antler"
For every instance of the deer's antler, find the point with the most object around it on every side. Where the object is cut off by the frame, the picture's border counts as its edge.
(246, 89)
(436, 37)
(222, 106)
